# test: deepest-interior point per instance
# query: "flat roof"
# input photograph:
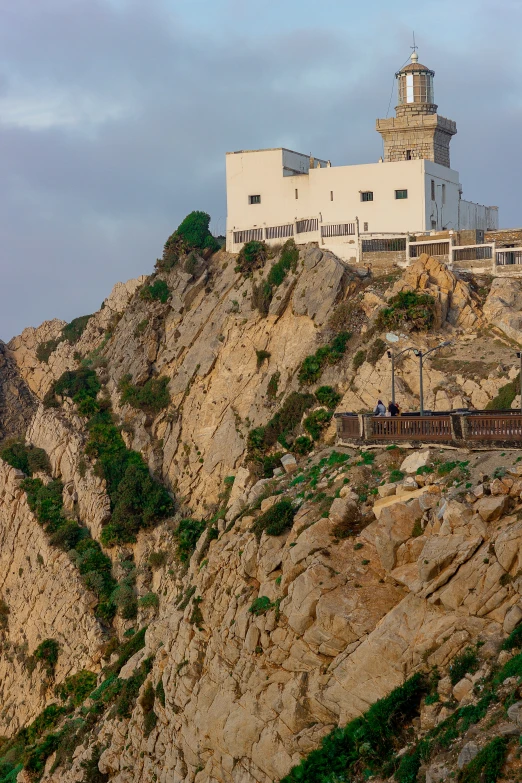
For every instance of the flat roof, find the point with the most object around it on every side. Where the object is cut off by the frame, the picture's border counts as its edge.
(277, 149)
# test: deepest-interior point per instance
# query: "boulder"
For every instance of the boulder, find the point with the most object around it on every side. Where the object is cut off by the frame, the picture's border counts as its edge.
(289, 463)
(415, 461)
(463, 689)
(512, 618)
(467, 754)
(386, 490)
(491, 508)
(515, 713)
(395, 527)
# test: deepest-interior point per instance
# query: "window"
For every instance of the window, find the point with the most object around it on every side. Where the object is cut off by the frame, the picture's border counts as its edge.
(331, 195)
(408, 155)
(296, 193)
(401, 194)
(365, 226)
(367, 195)
(254, 199)
(433, 190)
(443, 193)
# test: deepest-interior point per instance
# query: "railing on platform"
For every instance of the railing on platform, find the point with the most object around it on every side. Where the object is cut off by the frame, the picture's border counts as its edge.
(508, 256)
(411, 428)
(349, 426)
(494, 427)
(416, 249)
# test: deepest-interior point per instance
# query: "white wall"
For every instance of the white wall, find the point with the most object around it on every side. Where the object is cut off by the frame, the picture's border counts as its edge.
(477, 216)
(443, 210)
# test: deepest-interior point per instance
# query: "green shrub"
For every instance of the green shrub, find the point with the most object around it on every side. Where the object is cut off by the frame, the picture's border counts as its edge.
(149, 601)
(252, 256)
(359, 359)
(407, 309)
(77, 687)
(316, 422)
(326, 395)
(287, 261)
(366, 742)
(466, 662)
(157, 291)
(29, 459)
(513, 668)
(126, 651)
(124, 597)
(152, 397)
(514, 639)
(74, 330)
(276, 521)
(273, 385)
(302, 445)
(194, 232)
(270, 463)
(160, 692)
(47, 652)
(149, 723)
(260, 605)
(187, 536)
(312, 367)
(262, 297)
(81, 385)
(158, 559)
(44, 350)
(487, 765)
(506, 395)
(376, 350)
(396, 475)
(283, 423)
(91, 770)
(261, 356)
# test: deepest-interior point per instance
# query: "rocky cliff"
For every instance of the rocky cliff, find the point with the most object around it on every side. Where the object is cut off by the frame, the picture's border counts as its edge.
(218, 632)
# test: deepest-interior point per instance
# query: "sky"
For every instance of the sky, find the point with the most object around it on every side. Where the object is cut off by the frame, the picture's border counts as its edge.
(115, 116)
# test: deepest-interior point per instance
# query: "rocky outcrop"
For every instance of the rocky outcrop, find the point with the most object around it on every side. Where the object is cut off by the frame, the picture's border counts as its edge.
(45, 600)
(17, 404)
(503, 306)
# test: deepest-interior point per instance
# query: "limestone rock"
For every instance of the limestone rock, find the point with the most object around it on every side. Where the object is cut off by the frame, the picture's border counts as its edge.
(415, 461)
(490, 508)
(467, 754)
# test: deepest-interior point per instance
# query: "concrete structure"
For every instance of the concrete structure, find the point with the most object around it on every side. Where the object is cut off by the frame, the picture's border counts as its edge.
(274, 194)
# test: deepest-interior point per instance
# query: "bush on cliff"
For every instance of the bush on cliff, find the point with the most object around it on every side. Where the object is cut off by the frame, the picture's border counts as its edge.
(158, 291)
(408, 309)
(276, 521)
(193, 233)
(151, 397)
(313, 366)
(29, 459)
(281, 425)
(252, 256)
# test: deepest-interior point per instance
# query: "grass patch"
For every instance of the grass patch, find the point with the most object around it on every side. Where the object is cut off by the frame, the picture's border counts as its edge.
(506, 395)
(465, 663)
(77, 687)
(486, 767)
(326, 395)
(260, 605)
(187, 536)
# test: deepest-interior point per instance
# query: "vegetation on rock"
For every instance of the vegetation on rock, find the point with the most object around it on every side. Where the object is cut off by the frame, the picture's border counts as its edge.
(313, 366)
(281, 425)
(158, 291)
(151, 397)
(276, 521)
(25, 457)
(408, 310)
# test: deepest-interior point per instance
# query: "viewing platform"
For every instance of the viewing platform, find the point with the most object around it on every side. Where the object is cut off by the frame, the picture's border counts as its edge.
(458, 428)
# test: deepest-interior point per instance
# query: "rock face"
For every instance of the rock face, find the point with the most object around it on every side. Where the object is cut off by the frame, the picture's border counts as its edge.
(260, 644)
(17, 404)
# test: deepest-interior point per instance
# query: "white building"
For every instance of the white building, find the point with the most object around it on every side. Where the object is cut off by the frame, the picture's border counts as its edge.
(273, 194)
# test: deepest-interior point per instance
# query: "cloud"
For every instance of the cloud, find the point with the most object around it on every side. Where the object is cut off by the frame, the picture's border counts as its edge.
(115, 116)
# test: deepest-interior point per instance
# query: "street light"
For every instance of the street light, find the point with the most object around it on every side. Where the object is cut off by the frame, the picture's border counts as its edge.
(422, 355)
(393, 356)
(519, 354)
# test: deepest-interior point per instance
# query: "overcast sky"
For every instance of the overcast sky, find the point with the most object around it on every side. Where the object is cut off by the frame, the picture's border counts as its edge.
(115, 116)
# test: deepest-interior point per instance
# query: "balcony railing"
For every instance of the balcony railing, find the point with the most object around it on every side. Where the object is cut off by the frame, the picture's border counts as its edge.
(411, 428)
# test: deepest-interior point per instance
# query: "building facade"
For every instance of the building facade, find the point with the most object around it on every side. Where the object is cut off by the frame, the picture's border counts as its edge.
(274, 194)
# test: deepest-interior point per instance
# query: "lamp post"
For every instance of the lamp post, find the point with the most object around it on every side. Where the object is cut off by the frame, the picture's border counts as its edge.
(393, 356)
(519, 354)
(422, 355)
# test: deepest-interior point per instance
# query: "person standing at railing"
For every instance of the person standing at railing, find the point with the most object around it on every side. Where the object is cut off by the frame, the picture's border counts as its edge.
(393, 409)
(380, 409)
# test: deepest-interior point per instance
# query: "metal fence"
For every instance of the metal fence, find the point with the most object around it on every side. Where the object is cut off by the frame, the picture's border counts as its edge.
(431, 248)
(472, 253)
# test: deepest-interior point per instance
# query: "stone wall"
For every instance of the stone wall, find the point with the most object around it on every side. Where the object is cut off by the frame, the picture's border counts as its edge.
(505, 237)
(426, 135)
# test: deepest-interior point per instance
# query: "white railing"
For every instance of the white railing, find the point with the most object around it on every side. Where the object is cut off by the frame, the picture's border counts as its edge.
(306, 224)
(248, 235)
(483, 252)
(416, 249)
(337, 230)
(506, 256)
(279, 232)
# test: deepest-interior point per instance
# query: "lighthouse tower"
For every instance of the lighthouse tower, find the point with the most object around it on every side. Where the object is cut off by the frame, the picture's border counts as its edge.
(417, 131)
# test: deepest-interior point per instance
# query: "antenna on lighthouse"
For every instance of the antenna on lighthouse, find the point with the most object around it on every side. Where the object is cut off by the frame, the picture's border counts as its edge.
(414, 55)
